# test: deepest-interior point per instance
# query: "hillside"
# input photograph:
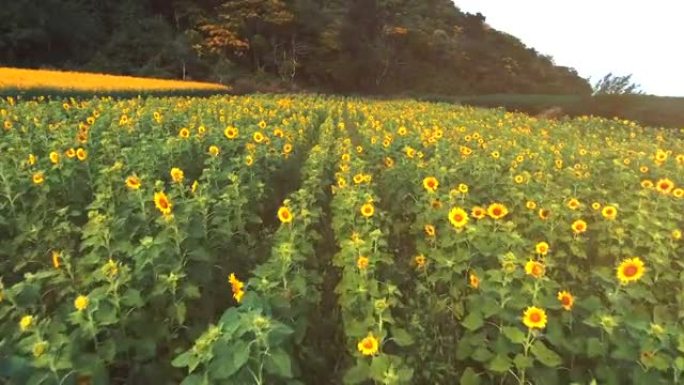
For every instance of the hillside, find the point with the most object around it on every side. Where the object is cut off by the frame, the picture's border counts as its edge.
(358, 46)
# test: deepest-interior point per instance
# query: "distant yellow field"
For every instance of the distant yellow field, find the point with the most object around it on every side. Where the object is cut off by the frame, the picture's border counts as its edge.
(28, 79)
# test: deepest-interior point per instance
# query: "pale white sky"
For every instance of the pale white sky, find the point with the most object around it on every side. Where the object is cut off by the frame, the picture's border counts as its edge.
(644, 38)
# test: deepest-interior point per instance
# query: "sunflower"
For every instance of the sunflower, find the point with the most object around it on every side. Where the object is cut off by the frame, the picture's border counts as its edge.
(566, 299)
(81, 302)
(676, 234)
(420, 261)
(237, 287)
(458, 217)
(473, 280)
(389, 162)
(31, 160)
(534, 268)
(262, 124)
(184, 133)
(285, 215)
(609, 212)
(497, 210)
(54, 157)
(214, 150)
(463, 188)
(630, 270)
(664, 186)
(194, 187)
(495, 154)
(70, 153)
(287, 148)
(26, 322)
(249, 160)
(369, 345)
(596, 206)
(478, 212)
(56, 258)
(519, 179)
(231, 132)
(643, 169)
(573, 204)
(678, 193)
(358, 178)
(534, 318)
(647, 184)
(430, 184)
(38, 178)
(81, 154)
(367, 210)
(579, 226)
(542, 248)
(531, 205)
(133, 182)
(362, 262)
(162, 202)
(430, 230)
(177, 175)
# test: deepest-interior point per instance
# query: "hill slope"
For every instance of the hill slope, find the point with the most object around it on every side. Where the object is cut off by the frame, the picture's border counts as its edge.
(366, 46)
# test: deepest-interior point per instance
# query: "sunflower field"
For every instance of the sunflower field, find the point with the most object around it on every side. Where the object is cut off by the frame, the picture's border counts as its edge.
(297, 240)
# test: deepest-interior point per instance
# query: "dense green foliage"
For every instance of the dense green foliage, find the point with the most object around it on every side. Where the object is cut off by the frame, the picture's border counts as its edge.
(367, 46)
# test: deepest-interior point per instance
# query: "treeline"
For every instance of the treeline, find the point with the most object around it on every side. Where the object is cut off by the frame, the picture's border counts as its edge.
(344, 46)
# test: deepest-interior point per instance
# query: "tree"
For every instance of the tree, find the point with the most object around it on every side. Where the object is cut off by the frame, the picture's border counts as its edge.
(616, 85)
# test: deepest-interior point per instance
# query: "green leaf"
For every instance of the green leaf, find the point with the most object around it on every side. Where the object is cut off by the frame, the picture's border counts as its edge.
(482, 354)
(469, 377)
(545, 355)
(241, 351)
(473, 321)
(523, 362)
(401, 337)
(357, 374)
(595, 347)
(193, 379)
(379, 366)
(279, 363)
(500, 364)
(514, 334)
(132, 298)
(182, 360)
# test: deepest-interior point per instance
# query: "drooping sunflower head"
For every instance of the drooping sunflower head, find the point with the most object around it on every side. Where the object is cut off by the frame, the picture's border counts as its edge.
(162, 202)
(630, 270)
(132, 182)
(430, 230)
(566, 299)
(177, 175)
(420, 261)
(497, 210)
(362, 262)
(458, 217)
(38, 178)
(369, 345)
(54, 157)
(534, 318)
(473, 280)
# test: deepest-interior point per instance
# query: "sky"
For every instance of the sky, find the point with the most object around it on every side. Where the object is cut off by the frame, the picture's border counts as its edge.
(642, 38)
